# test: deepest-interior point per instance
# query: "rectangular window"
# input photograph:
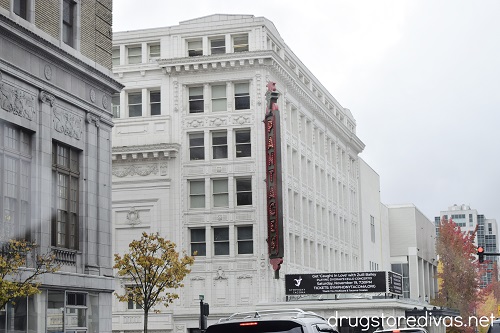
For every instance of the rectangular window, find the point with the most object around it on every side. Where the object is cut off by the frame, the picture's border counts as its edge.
(197, 194)
(196, 146)
(243, 144)
(155, 103)
(195, 48)
(218, 45)
(245, 240)
(66, 172)
(134, 54)
(75, 316)
(198, 242)
(68, 21)
(135, 104)
(115, 57)
(196, 100)
(219, 100)
(240, 43)
(241, 96)
(243, 191)
(15, 176)
(221, 241)
(154, 51)
(21, 9)
(372, 228)
(220, 193)
(115, 105)
(219, 145)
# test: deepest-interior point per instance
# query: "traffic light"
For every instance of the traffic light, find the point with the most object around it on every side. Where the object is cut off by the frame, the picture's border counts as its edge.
(480, 254)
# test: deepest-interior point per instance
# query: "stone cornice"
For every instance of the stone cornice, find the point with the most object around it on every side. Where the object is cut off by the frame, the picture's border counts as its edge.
(165, 150)
(50, 52)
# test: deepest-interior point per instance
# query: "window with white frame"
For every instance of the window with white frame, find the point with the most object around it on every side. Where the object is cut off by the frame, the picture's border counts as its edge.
(196, 146)
(218, 45)
(134, 54)
(219, 100)
(245, 239)
(195, 48)
(115, 56)
(240, 43)
(135, 104)
(155, 102)
(15, 175)
(115, 105)
(132, 303)
(154, 51)
(68, 22)
(197, 193)
(196, 103)
(243, 191)
(66, 175)
(220, 192)
(242, 143)
(242, 96)
(219, 144)
(198, 242)
(221, 241)
(75, 316)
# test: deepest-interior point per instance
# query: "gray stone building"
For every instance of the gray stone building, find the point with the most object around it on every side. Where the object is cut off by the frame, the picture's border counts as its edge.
(55, 157)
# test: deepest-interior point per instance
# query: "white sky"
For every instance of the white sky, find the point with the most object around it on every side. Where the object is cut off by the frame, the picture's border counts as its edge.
(421, 77)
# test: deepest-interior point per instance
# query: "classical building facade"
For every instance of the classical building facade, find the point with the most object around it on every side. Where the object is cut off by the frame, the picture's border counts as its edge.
(189, 161)
(55, 157)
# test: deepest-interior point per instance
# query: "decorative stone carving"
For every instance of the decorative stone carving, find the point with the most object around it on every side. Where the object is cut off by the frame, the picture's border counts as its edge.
(163, 169)
(92, 118)
(105, 101)
(132, 170)
(176, 96)
(133, 216)
(220, 275)
(48, 72)
(218, 121)
(240, 120)
(194, 123)
(92, 95)
(17, 101)
(47, 98)
(68, 123)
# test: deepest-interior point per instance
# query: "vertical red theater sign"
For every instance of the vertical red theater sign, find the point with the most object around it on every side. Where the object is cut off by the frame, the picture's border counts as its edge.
(273, 179)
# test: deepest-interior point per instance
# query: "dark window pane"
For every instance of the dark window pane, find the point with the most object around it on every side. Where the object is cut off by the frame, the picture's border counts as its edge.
(243, 185)
(197, 153)
(199, 249)
(242, 102)
(155, 109)
(197, 235)
(155, 97)
(220, 152)
(244, 198)
(20, 8)
(196, 140)
(245, 247)
(244, 233)
(219, 140)
(221, 248)
(196, 106)
(243, 150)
(221, 234)
(243, 137)
(135, 110)
(195, 53)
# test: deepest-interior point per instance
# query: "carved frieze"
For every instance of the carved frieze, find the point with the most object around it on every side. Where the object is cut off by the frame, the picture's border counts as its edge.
(67, 123)
(47, 98)
(92, 118)
(218, 121)
(17, 101)
(195, 123)
(132, 170)
(240, 120)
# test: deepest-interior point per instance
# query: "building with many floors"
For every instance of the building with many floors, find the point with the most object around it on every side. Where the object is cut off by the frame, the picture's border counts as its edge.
(469, 220)
(189, 162)
(55, 157)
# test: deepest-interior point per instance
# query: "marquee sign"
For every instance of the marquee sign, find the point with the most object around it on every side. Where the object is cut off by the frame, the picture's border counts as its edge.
(273, 179)
(344, 283)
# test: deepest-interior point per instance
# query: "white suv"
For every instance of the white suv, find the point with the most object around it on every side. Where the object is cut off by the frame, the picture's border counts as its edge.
(273, 321)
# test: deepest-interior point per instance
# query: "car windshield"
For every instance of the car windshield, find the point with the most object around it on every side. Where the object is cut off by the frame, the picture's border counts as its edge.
(494, 327)
(257, 327)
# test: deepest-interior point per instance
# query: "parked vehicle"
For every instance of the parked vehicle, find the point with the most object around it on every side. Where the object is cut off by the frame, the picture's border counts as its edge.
(273, 321)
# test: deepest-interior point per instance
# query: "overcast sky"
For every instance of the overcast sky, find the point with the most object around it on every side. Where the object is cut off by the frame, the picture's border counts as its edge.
(421, 77)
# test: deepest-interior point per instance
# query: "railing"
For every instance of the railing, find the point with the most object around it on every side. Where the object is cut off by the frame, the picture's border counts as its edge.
(64, 256)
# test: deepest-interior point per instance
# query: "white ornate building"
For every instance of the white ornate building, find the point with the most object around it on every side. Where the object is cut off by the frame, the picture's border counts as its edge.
(189, 162)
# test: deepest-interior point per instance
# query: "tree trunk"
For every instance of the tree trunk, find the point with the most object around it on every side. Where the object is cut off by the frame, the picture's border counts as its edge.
(145, 321)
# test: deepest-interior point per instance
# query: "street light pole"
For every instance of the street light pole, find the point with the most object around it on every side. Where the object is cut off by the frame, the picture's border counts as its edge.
(202, 319)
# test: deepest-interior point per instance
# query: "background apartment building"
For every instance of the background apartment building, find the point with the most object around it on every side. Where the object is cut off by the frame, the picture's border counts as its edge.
(469, 220)
(55, 157)
(189, 162)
